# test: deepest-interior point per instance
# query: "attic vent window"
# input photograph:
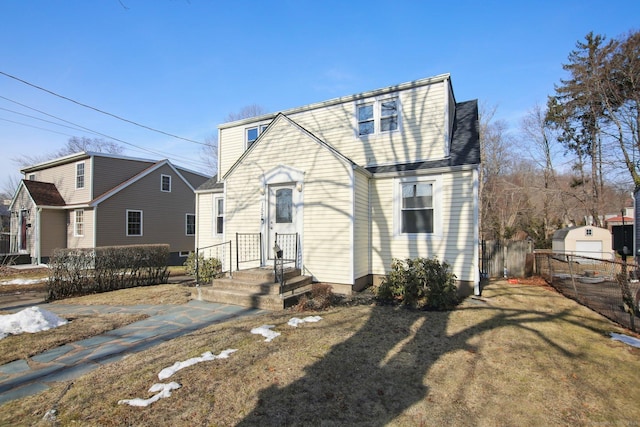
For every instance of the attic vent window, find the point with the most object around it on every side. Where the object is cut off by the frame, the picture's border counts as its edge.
(377, 117)
(588, 232)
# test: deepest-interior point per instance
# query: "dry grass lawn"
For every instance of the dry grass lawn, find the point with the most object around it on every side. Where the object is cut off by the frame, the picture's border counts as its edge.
(523, 355)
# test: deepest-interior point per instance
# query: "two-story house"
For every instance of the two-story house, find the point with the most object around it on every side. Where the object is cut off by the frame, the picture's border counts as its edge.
(360, 180)
(88, 200)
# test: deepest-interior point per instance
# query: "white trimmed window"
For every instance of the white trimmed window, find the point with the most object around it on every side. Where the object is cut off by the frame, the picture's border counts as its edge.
(165, 183)
(218, 204)
(417, 211)
(253, 133)
(134, 222)
(78, 222)
(378, 116)
(190, 223)
(80, 175)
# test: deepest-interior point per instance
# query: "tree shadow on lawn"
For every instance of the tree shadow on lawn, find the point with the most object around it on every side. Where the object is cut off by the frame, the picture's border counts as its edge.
(379, 372)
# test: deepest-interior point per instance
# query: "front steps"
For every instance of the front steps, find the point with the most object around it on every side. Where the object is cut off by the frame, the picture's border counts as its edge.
(256, 288)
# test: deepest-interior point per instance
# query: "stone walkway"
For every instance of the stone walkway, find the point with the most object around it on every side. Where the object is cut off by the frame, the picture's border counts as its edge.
(21, 378)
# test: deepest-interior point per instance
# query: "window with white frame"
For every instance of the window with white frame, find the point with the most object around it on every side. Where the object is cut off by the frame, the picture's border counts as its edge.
(219, 215)
(416, 207)
(32, 177)
(134, 223)
(78, 222)
(253, 133)
(165, 183)
(378, 116)
(80, 175)
(190, 223)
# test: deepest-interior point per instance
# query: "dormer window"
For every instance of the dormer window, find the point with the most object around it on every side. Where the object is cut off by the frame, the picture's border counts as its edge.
(253, 133)
(378, 116)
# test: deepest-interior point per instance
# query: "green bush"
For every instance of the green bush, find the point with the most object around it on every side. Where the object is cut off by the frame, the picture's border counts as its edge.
(205, 269)
(422, 283)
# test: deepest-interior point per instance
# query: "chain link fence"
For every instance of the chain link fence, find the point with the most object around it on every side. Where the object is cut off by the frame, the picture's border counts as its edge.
(610, 288)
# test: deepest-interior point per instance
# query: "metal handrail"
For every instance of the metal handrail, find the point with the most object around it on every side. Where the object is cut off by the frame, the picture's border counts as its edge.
(225, 254)
(248, 248)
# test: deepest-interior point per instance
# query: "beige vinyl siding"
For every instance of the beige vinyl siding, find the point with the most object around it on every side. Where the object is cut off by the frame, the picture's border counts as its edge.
(164, 213)
(457, 241)
(86, 240)
(327, 203)
(53, 234)
(206, 220)
(110, 172)
(361, 227)
(64, 178)
(232, 142)
(422, 133)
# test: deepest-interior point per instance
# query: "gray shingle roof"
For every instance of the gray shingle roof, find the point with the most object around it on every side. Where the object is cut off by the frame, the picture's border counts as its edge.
(465, 143)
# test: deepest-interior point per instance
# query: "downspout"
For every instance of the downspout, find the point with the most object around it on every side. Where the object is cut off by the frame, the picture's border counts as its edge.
(38, 237)
(476, 234)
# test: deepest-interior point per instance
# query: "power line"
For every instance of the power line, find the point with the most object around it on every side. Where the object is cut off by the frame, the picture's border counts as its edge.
(99, 110)
(80, 127)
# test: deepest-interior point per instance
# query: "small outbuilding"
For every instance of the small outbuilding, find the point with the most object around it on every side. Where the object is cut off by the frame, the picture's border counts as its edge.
(587, 241)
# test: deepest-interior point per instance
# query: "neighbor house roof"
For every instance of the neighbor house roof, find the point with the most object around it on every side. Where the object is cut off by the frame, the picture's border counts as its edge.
(211, 184)
(44, 193)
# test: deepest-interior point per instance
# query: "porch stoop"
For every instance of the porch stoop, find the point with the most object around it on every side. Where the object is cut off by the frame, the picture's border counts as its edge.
(256, 288)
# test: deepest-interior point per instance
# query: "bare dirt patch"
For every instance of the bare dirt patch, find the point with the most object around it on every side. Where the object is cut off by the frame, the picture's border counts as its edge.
(520, 355)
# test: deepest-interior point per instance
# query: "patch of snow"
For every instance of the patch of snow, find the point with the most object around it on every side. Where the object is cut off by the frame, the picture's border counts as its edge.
(265, 331)
(206, 356)
(22, 281)
(294, 321)
(162, 391)
(635, 342)
(31, 320)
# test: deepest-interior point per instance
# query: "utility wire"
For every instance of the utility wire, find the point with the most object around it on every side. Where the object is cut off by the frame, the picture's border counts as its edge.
(80, 127)
(99, 110)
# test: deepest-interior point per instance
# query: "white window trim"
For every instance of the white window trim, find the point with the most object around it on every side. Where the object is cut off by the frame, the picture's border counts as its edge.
(438, 232)
(217, 233)
(377, 115)
(186, 224)
(184, 254)
(84, 175)
(162, 177)
(126, 223)
(261, 128)
(75, 223)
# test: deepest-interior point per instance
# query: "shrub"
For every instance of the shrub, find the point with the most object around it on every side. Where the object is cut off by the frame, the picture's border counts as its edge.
(322, 297)
(423, 283)
(87, 270)
(205, 269)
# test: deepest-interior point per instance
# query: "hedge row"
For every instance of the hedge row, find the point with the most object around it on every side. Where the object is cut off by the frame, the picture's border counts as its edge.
(76, 272)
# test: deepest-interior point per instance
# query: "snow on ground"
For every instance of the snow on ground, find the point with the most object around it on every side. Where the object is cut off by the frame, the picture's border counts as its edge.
(22, 281)
(635, 342)
(206, 356)
(162, 391)
(32, 319)
(294, 321)
(266, 332)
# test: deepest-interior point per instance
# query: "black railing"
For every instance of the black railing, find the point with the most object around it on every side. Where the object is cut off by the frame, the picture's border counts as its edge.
(219, 251)
(285, 252)
(248, 248)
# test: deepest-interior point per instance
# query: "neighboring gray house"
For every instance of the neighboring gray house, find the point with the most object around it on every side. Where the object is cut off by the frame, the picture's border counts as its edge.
(88, 200)
(359, 180)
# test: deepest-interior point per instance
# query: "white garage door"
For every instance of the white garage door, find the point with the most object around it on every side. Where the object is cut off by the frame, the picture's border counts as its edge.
(589, 248)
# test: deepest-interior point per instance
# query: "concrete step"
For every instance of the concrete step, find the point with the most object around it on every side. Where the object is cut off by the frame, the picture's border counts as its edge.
(256, 288)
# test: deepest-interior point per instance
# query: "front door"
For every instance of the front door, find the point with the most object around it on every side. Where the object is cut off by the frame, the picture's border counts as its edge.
(282, 213)
(23, 230)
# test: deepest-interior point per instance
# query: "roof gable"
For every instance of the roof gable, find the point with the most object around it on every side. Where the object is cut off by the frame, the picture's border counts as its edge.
(278, 121)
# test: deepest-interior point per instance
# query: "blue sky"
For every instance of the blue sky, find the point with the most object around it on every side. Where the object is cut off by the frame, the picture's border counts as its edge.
(181, 66)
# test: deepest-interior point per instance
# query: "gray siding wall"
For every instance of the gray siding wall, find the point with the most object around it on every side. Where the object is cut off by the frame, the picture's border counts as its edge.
(164, 214)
